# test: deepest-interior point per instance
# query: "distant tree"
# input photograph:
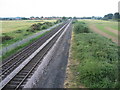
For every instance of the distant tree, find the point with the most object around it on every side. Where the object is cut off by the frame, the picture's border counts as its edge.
(116, 15)
(108, 16)
(105, 17)
(93, 17)
(42, 17)
(69, 17)
(98, 18)
(37, 18)
(64, 18)
(74, 17)
(24, 18)
(31, 17)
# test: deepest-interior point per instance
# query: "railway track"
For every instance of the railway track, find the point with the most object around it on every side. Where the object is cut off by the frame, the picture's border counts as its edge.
(12, 62)
(18, 80)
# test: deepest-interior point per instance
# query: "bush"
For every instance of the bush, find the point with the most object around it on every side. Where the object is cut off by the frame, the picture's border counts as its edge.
(35, 27)
(26, 34)
(39, 26)
(80, 27)
(74, 21)
(58, 21)
(48, 23)
(44, 27)
(18, 31)
(5, 38)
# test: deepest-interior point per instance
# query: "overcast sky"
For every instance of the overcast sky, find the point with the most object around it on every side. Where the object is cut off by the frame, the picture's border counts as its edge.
(79, 8)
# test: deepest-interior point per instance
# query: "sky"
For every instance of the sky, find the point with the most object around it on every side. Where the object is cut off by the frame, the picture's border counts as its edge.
(78, 8)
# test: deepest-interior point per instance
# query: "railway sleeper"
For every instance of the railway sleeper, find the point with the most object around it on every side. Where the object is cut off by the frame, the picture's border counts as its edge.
(14, 82)
(11, 86)
(19, 76)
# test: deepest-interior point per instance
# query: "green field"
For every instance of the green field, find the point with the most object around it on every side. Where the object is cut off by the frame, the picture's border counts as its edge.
(17, 29)
(107, 29)
(102, 25)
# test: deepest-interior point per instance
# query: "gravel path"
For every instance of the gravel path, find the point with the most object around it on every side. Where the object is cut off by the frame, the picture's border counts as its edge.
(55, 72)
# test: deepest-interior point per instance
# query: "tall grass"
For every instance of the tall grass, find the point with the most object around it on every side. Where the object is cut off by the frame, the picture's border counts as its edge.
(98, 58)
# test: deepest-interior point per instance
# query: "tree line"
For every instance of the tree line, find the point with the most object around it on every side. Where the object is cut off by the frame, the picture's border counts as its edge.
(115, 16)
(110, 16)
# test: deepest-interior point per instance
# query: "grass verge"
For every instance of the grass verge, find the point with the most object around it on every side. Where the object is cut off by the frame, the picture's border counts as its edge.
(96, 60)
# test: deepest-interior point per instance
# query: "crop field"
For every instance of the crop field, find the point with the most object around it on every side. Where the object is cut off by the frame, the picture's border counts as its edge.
(108, 29)
(17, 29)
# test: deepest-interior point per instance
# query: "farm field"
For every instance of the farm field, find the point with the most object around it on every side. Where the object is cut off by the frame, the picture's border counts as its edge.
(108, 29)
(17, 29)
(9, 26)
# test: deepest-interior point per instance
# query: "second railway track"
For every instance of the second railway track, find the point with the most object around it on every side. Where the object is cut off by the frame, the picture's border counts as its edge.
(21, 77)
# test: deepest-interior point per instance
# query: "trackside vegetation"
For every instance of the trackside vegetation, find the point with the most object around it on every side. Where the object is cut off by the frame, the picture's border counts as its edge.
(13, 51)
(96, 57)
(14, 36)
(33, 28)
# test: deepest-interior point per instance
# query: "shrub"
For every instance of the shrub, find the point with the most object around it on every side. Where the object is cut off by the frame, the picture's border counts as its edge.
(30, 30)
(35, 27)
(39, 26)
(44, 26)
(3, 33)
(18, 31)
(48, 23)
(74, 21)
(26, 34)
(5, 38)
(58, 21)
(80, 27)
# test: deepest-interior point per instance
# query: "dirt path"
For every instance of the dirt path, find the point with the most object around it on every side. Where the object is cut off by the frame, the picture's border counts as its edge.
(112, 30)
(95, 29)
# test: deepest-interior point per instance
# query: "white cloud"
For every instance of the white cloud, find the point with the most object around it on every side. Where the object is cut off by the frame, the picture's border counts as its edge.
(27, 8)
